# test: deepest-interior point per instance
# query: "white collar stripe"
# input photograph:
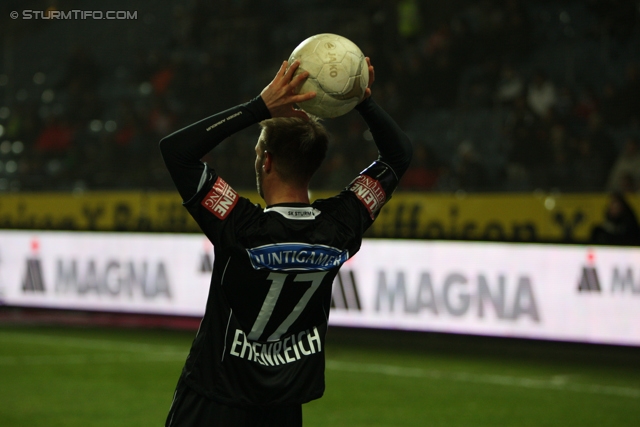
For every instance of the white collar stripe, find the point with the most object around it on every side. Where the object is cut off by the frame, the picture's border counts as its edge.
(290, 212)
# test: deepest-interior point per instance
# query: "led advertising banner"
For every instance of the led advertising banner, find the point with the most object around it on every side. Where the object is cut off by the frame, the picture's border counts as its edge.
(573, 293)
(138, 273)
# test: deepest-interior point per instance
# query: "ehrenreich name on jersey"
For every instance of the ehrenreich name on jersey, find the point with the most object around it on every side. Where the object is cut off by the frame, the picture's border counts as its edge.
(287, 350)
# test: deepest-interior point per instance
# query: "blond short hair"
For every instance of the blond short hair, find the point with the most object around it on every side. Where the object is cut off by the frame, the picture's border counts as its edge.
(298, 146)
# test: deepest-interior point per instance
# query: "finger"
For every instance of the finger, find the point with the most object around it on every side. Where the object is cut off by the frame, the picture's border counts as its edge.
(283, 69)
(297, 80)
(370, 70)
(303, 97)
(294, 66)
(295, 99)
(290, 70)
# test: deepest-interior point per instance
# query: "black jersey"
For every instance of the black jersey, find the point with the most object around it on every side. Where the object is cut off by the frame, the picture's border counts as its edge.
(261, 340)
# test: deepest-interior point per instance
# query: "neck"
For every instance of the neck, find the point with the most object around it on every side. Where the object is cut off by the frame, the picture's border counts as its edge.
(286, 195)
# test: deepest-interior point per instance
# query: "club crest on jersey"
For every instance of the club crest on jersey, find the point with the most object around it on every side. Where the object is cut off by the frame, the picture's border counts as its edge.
(297, 257)
(370, 193)
(221, 199)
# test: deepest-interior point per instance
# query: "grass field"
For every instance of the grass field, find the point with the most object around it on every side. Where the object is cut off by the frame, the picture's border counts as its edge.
(122, 377)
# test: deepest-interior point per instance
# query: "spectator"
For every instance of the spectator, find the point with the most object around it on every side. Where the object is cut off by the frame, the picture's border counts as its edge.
(527, 152)
(409, 19)
(564, 106)
(481, 82)
(559, 170)
(337, 175)
(627, 166)
(457, 58)
(55, 138)
(82, 70)
(80, 86)
(630, 96)
(510, 85)
(611, 106)
(587, 104)
(620, 226)
(516, 30)
(424, 171)
(588, 167)
(603, 144)
(628, 185)
(618, 18)
(160, 120)
(468, 168)
(541, 95)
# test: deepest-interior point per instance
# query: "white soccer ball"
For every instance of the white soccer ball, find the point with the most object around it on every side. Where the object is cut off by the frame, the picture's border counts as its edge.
(338, 73)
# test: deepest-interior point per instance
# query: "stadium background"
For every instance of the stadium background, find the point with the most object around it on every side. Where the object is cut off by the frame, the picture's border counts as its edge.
(525, 115)
(85, 103)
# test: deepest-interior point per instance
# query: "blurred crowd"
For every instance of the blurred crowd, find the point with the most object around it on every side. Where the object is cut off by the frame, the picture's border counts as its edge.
(96, 124)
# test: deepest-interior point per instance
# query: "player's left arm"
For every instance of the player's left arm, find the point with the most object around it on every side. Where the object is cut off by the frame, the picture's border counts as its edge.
(375, 185)
(394, 146)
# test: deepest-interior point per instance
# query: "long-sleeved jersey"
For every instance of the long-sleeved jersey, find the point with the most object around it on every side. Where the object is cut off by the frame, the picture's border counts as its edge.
(261, 340)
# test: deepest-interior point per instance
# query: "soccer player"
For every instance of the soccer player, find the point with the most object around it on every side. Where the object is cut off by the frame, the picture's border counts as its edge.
(259, 352)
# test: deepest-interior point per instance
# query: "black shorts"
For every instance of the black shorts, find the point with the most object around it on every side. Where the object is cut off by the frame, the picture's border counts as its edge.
(191, 409)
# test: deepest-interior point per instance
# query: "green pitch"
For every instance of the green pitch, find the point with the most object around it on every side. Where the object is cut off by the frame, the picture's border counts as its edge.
(104, 377)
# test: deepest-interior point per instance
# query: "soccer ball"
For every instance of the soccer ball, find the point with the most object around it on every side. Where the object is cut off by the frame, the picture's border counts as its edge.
(338, 73)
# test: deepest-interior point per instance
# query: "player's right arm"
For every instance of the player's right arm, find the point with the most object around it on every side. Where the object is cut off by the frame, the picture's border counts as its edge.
(183, 150)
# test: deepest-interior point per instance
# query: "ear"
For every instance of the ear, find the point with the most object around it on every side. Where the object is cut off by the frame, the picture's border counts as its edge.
(267, 163)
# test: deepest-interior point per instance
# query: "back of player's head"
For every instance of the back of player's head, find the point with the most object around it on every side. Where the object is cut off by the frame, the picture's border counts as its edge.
(298, 146)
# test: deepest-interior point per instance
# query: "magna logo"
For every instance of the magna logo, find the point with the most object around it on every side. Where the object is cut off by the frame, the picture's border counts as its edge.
(589, 281)
(622, 279)
(33, 281)
(118, 278)
(345, 294)
(458, 295)
(112, 277)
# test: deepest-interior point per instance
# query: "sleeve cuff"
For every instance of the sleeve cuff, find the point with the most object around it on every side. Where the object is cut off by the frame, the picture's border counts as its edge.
(365, 105)
(258, 108)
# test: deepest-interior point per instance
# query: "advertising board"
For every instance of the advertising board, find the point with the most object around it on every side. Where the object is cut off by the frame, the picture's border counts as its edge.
(556, 292)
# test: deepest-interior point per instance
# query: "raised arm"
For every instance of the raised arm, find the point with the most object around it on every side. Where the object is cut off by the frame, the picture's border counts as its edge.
(394, 146)
(183, 149)
(375, 185)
